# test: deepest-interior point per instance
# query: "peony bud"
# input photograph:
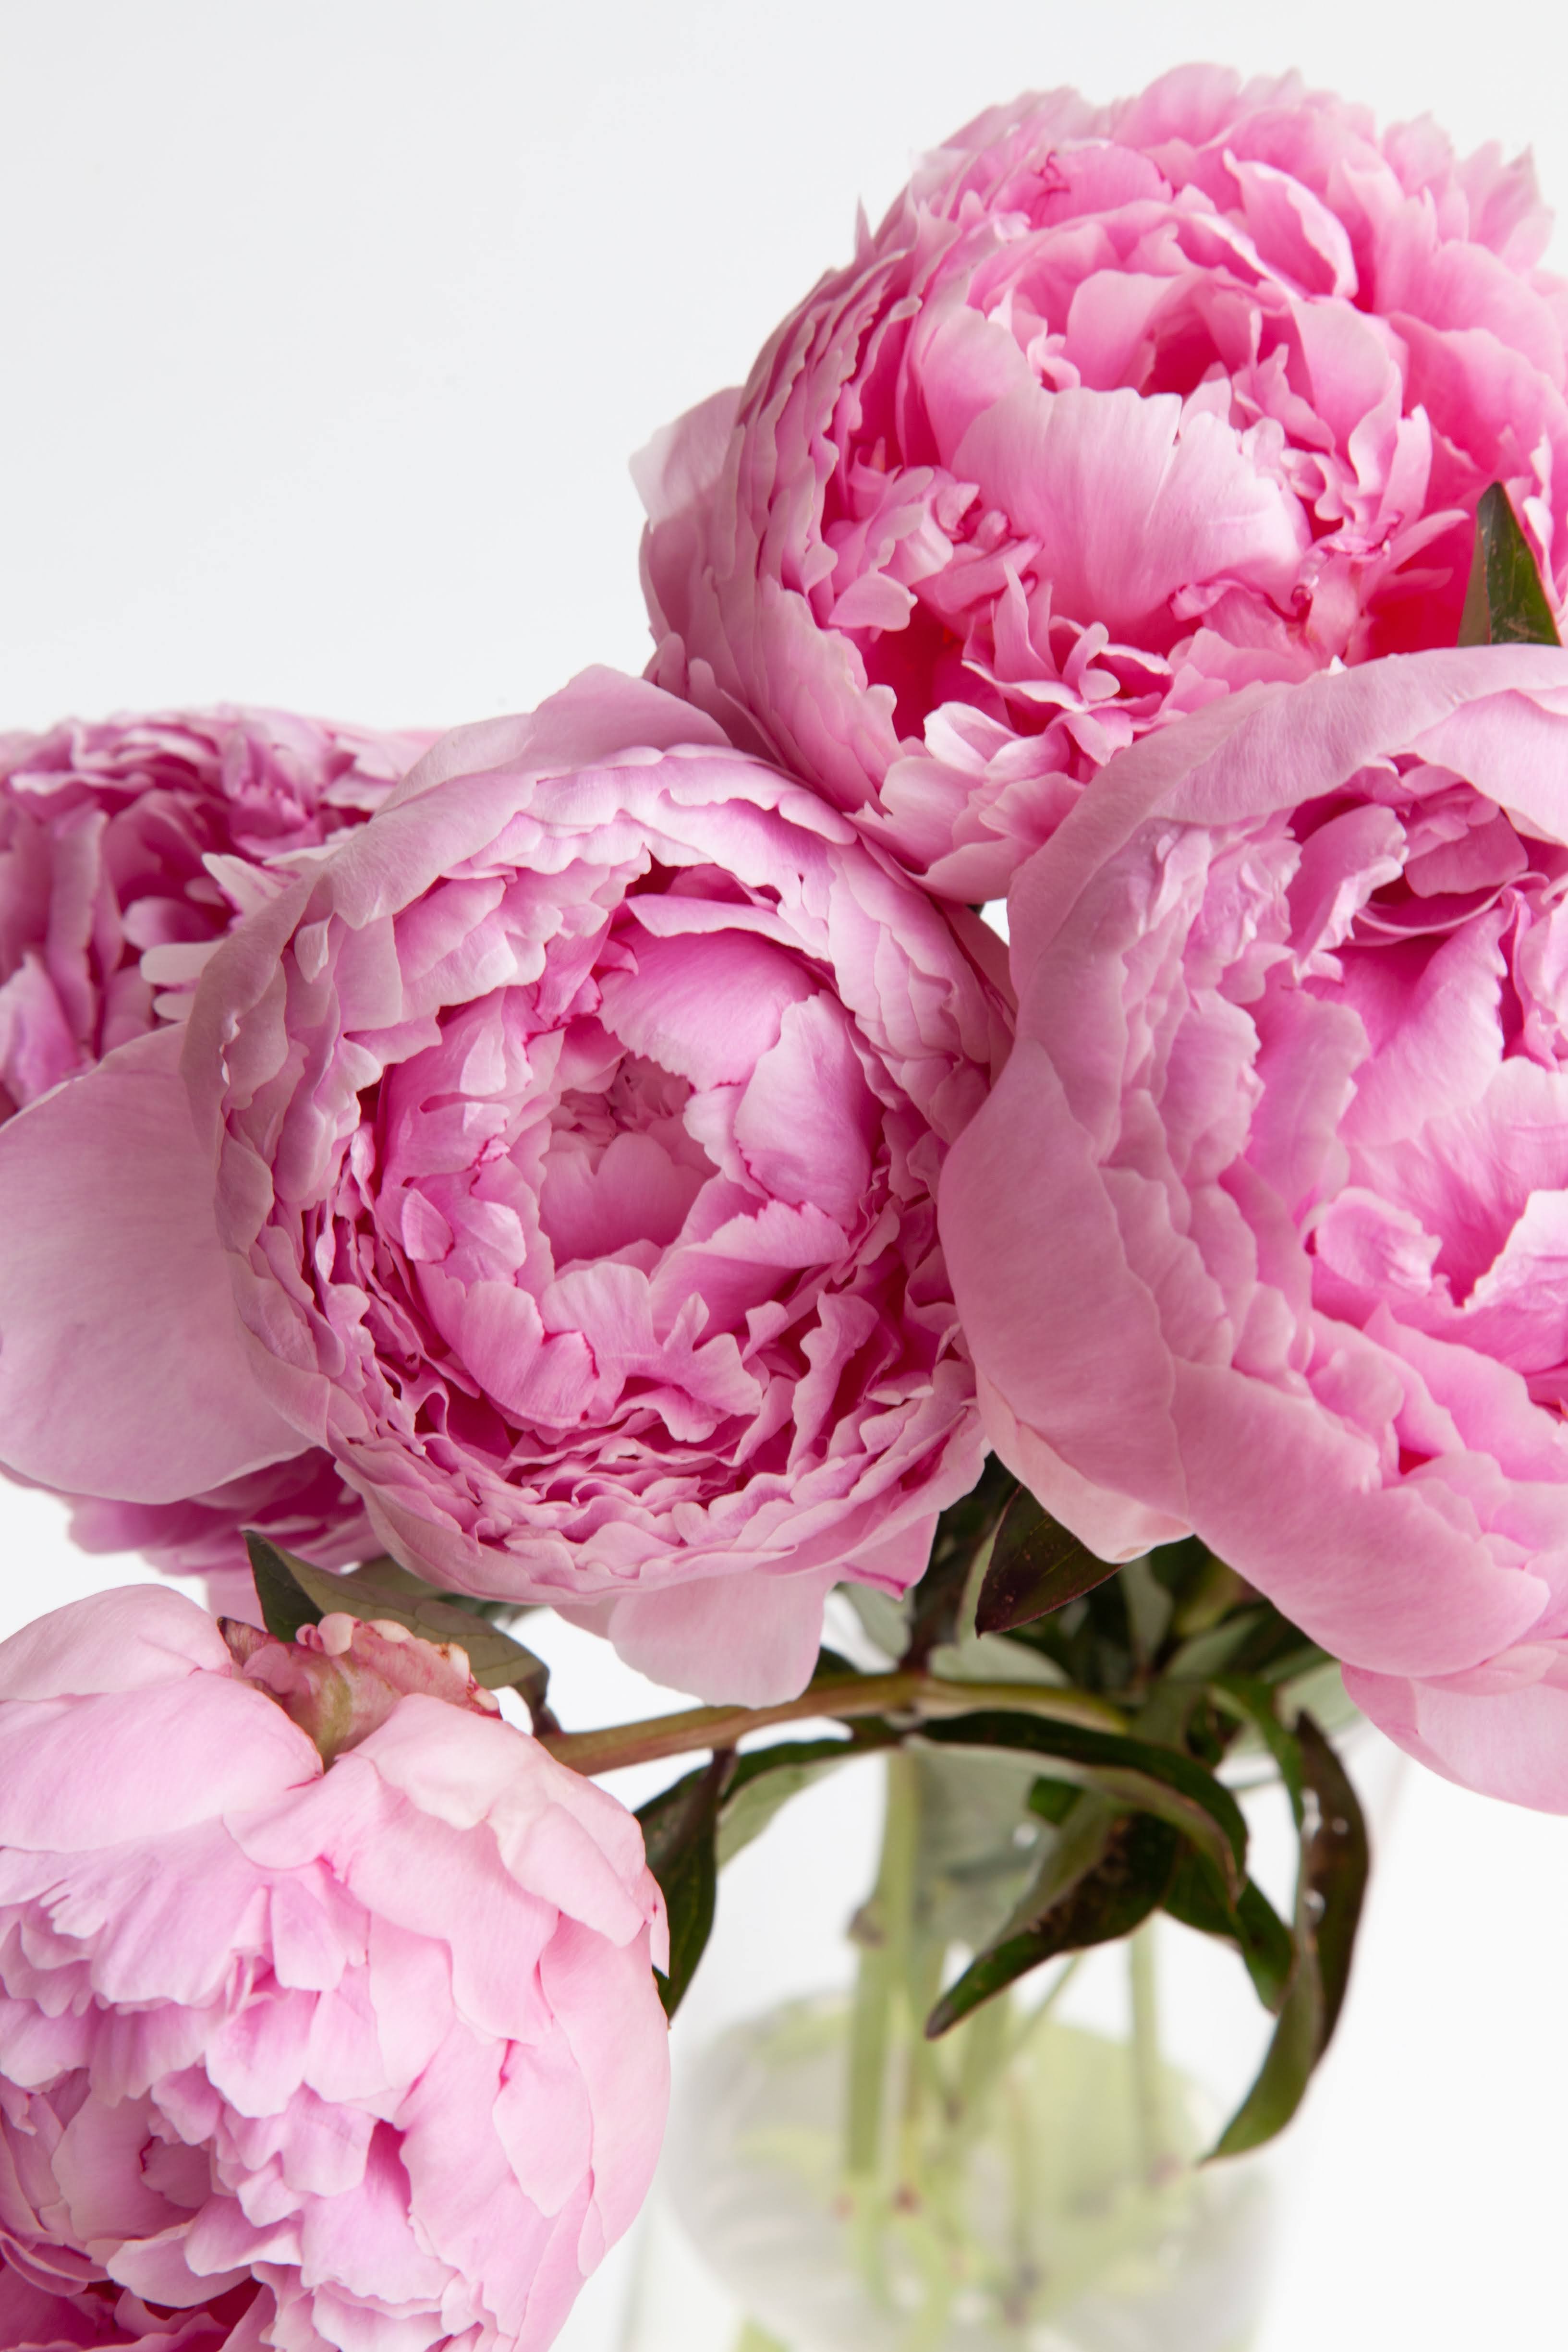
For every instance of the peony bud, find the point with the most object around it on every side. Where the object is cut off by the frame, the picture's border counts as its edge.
(365, 2051)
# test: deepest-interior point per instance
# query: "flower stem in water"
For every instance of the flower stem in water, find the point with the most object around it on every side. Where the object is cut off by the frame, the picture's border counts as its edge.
(1148, 2071)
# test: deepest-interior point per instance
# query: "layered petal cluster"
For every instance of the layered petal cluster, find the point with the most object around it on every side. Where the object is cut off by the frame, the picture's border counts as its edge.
(39, 2319)
(1264, 1232)
(366, 2055)
(128, 848)
(572, 1134)
(304, 1506)
(1119, 409)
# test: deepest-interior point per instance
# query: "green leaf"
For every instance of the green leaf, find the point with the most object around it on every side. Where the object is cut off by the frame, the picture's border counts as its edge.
(1053, 1799)
(1083, 1835)
(1106, 1903)
(969, 1866)
(1207, 1591)
(963, 1532)
(1251, 1924)
(1338, 1861)
(765, 1780)
(293, 1594)
(1505, 603)
(285, 1604)
(1286, 2069)
(680, 1828)
(832, 1666)
(1329, 1889)
(1253, 1702)
(1036, 1566)
(1149, 1608)
(1207, 1653)
(1134, 1774)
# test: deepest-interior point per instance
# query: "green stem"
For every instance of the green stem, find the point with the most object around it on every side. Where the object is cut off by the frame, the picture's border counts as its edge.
(884, 1958)
(1148, 2071)
(839, 1697)
(1031, 2018)
(919, 1984)
(984, 2044)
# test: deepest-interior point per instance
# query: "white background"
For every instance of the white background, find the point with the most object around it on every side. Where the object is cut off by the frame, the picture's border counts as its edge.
(329, 329)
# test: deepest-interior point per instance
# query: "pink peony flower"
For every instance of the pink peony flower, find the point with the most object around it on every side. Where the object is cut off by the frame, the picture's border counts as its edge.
(1263, 1231)
(128, 849)
(1118, 409)
(368, 2054)
(576, 1127)
(304, 1506)
(40, 2319)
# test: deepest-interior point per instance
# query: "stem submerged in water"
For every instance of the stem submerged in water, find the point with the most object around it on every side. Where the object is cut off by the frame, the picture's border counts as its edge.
(883, 1932)
(878, 2028)
(1148, 2068)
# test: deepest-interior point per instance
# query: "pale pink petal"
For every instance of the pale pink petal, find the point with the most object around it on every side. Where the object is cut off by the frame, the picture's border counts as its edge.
(135, 1310)
(751, 1643)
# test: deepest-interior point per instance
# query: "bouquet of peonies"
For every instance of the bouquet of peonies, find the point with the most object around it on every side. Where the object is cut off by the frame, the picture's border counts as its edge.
(606, 1161)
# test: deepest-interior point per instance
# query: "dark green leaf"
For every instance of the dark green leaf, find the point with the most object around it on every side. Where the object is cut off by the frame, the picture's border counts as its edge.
(788, 1755)
(1105, 1904)
(1149, 1608)
(1289, 1659)
(1206, 1589)
(1196, 1897)
(285, 1604)
(1338, 1860)
(680, 1828)
(1266, 1947)
(381, 1589)
(937, 1601)
(1505, 604)
(1083, 1836)
(1134, 1773)
(832, 1666)
(1203, 1654)
(1286, 2069)
(1053, 1799)
(1166, 1717)
(1329, 1889)
(1253, 1702)
(1036, 1566)
(767, 1778)
(1273, 1650)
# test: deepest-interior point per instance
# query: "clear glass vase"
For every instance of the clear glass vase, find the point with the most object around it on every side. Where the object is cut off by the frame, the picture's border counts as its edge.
(834, 2181)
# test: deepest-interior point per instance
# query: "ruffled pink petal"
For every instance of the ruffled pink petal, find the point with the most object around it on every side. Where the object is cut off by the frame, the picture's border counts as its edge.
(130, 1312)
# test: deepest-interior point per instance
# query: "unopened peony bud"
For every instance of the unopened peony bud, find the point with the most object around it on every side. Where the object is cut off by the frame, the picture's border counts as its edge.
(341, 1679)
(367, 2053)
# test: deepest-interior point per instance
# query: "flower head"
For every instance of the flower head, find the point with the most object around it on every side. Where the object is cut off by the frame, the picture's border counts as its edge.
(128, 848)
(1263, 1231)
(571, 1134)
(367, 2053)
(1119, 409)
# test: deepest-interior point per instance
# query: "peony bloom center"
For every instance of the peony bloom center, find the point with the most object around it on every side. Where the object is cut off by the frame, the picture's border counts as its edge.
(607, 1199)
(1450, 1210)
